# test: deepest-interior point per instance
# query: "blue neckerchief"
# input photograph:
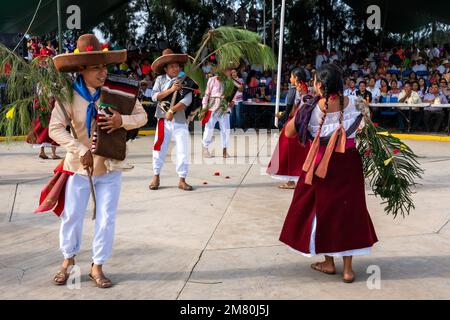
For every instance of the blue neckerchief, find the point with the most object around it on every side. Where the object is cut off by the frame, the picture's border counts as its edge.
(80, 87)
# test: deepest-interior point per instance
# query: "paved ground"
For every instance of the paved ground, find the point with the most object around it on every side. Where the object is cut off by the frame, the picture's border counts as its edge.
(220, 241)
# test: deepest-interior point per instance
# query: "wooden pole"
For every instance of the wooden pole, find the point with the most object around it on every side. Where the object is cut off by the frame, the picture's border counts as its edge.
(72, 129)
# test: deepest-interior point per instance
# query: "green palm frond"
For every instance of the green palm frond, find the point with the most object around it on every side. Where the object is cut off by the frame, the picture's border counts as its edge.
(29, 83)
(390, 165)
(197, 75)
(230, 45)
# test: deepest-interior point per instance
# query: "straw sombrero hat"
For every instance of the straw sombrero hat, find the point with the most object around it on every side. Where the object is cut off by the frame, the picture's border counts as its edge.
(88, 52)
(168, 57)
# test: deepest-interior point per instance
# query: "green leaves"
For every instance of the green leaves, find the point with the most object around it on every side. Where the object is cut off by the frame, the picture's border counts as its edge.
(230, 45)
(391, 167)
(29, 84)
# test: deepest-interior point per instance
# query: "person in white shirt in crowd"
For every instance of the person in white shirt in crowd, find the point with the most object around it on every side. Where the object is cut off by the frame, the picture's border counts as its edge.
(443, 88)
(423, 88)
(145, 92)
(333, 55)
(416, 87)
(418, 115)
(377, 80)
(372, 88)
(435, 52)
(236, 103)
(419, 66)
(207, 68)
(409, 96)
(351, 90)
(366, 70)
(434, 115)
(395, 91)
(321, 58)
(354, 67)
(444, 67)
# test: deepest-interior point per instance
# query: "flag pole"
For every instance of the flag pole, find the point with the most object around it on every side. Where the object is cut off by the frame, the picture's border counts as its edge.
(280, 60)
(58, 8)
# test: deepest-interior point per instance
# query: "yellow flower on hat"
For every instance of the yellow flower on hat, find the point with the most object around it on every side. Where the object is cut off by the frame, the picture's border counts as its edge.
(76, 50)
(10, 113)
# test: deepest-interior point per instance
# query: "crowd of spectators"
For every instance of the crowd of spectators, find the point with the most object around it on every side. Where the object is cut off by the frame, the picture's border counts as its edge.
(397, 75)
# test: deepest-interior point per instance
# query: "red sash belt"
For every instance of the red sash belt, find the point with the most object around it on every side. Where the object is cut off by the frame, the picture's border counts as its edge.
(53, 194)
(207, 117)
(160, 137)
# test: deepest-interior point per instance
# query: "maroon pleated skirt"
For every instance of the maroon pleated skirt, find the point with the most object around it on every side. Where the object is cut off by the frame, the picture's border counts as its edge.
(39, 134)
(339, 204)
(288, 157)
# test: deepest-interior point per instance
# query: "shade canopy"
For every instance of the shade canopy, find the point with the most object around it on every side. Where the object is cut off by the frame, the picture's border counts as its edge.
(401, 16)
(16, 15)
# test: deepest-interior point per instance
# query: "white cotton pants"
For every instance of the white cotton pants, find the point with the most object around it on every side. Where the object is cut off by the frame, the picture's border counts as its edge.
(224, 124)
(180, 134)
(107, 191)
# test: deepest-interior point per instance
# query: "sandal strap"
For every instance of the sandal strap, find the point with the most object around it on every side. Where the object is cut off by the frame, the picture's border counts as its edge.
(101, 279)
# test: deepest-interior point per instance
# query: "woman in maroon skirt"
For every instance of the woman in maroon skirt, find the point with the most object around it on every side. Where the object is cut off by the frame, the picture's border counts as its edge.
(289, 154)
(38, 135)
(328, 214)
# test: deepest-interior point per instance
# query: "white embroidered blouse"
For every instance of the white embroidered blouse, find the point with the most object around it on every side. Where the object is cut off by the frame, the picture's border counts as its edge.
(332, 119)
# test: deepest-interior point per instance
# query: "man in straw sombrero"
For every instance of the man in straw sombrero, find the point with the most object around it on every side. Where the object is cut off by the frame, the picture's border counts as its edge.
(172, 121)
(90, 62)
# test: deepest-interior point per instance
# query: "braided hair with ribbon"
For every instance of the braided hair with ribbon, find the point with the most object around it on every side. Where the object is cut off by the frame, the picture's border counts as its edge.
(330, 76)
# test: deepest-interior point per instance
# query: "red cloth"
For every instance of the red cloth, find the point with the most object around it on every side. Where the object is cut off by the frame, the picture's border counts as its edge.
(207, 117)
(41, 134)
(339, 203)
(53, 194)
(288, 157)
(160, 137)
(146, 69)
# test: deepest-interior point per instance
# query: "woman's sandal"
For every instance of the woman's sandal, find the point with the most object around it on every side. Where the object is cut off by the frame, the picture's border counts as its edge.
(56, 157)
(63, 275)
(318, 266)
(287, 186)
(100, 280)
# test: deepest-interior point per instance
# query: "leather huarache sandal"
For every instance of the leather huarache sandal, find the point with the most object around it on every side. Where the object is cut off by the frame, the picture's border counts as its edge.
(63, 275)
(318, 266)
(100, 280)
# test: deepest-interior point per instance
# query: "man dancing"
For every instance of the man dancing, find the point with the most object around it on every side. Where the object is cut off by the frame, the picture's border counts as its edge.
(90, 61)
(171, 122)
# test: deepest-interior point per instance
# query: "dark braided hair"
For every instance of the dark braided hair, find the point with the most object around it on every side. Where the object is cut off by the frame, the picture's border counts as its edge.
(299, 73)
(330, 75)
